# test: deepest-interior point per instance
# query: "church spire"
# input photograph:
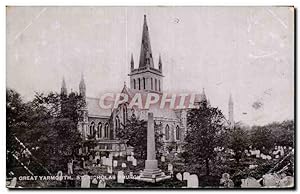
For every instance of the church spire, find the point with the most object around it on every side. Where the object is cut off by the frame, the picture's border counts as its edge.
(159, 63)
(146, 59)
(63, 90)
(230, 112)
(82, 87)
(132, 62)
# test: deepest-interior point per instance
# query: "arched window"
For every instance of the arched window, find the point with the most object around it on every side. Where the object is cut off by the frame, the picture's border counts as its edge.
(99, 130)
(155, 84)
(134, 84)
(177, 133)
(92, 128)
(151, 83)
(144, 82)
(167, 132)
(159, 85)
(117, 122)
(106, 131)
(139, 84)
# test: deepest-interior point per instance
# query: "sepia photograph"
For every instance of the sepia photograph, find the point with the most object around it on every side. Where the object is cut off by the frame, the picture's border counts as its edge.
(145, 97)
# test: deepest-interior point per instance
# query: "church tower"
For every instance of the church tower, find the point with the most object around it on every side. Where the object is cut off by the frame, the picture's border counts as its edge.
(146, 77)
(230, 112)
(63, 90)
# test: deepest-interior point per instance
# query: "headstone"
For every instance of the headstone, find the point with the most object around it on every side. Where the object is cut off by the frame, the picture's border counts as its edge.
(123, 165)
(85, 181)
(120, 177)
(163, 158)
(186, 175)
(130, 174)
(287, 181)
(109, 162)
(179, 176)
(250, 182)
(94, 181)
(116, 154)
(70, 167)
(134, 162)
(59, 175)
(132, 153)
(103, 160)
(170, 167)
(277, 156)
(192, 181)
(13, 183)
(121, 153)
(115, 163)
(128, 158)
(109, 169)
(271, 180)
(101, 184)
(226, 181)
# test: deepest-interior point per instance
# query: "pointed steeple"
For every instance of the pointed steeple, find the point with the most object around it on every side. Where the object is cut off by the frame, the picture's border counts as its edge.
(203, 96)
(82, 87)
(146, 59)
(230, 112)
(159, 63)
(63, 90)
(132, 62)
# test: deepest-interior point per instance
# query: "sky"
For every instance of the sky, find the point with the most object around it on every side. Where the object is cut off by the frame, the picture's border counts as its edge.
(244, 51)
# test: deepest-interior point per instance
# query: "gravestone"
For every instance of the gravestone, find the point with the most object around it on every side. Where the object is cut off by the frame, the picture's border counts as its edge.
(226, 181)
(120, 177)
(85, 181)
(134, 162)
(13, 183)
(170, 167)
(192, 181)
(115, 163)
(109, 169)
(101, 184)
(130, 174)
(186, 175)
(163, 158)
(271, 180)
(94, 181)
(124, 165)
(70, 167)
(60, 175)
(287, 181)
(109, 162)
(179, 176)
(250, 182)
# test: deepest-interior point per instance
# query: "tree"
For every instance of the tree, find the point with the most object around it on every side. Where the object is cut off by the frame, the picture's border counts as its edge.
(238, 142)
(135, 132)
(283, 132)
(47, 126)
(262, 139)
(205, 126)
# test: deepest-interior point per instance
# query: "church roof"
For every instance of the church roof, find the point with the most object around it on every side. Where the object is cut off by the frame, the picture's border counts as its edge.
(94, 108)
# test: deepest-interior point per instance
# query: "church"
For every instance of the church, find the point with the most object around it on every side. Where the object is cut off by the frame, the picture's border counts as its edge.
(100, 125)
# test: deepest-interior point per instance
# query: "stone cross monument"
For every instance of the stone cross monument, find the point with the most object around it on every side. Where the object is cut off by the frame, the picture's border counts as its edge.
(151, 172)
